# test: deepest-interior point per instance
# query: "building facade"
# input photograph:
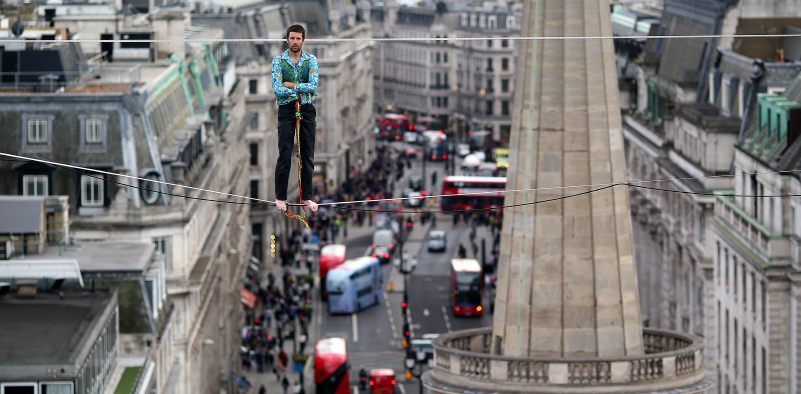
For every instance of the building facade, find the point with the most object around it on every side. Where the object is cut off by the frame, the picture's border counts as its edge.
(177, 120)
(468, 83)
(684, 132)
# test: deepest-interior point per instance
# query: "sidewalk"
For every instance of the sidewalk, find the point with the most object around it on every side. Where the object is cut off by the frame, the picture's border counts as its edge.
(268, 379)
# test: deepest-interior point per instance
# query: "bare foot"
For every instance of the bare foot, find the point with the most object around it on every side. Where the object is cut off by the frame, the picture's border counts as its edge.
(311, 204)
(281, 205)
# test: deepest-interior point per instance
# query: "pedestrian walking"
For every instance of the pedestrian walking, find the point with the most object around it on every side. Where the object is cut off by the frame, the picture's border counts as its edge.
(262, 390)
(285, 384)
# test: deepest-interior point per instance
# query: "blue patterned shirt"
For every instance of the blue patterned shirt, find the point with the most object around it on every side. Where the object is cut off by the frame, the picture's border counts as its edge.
(304, 75)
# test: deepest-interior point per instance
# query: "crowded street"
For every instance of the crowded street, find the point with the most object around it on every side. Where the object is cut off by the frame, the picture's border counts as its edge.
(289, 308)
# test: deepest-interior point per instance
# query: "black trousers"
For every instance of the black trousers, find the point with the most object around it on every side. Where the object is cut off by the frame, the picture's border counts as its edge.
(286, 141)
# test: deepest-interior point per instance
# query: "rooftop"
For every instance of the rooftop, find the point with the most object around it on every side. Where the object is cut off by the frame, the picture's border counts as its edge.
(103, 256)
(28, 338)
(21, 214)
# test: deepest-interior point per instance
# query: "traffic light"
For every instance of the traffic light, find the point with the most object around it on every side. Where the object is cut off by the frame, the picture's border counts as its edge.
(403, 308)
(406, 333)
(408, 375)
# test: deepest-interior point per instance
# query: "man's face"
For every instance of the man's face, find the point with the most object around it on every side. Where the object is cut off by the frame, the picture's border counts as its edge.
(295, 41)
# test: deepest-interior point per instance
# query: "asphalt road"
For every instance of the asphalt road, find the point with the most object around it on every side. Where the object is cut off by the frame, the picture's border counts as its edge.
(369, 333)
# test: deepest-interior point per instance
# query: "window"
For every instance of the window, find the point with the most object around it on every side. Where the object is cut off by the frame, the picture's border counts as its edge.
(55, 388)
(91, 191)
(254, 121)
(437, 57)
(445, 57)
(445, 102)
(505, 86)
(34, 185)
(490, 88)
(37, 131)
(505, 64)
(489, 64)
(363, 292)
(94, 131)
(504, 43)
(18, 388)
(163, 247)
(254, 189)
(489, 107)
(254, 86)
(489, 43)
(505, 108)
(254, 153)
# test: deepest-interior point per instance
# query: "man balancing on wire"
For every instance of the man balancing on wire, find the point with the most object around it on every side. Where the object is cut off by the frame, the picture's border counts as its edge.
(295, 85)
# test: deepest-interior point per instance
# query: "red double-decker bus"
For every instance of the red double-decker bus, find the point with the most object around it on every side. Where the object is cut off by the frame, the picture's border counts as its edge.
(467, 287)
(330, 257)
(472, 192)
(394, 125)
(331, 366)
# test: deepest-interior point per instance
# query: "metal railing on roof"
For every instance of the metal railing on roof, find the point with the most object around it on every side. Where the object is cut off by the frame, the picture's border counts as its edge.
(102, 78)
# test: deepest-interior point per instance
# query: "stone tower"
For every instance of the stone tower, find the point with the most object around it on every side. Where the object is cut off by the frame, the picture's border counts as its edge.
(566, 281)
(567, 314)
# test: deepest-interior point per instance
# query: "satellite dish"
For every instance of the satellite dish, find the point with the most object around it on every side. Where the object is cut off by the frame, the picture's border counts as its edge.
(17, 28)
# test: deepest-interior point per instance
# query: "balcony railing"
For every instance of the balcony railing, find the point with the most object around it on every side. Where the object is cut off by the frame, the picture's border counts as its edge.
(671, 360)
(771, 247)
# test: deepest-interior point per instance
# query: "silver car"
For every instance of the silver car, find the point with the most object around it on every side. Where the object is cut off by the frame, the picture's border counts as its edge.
(437, 241)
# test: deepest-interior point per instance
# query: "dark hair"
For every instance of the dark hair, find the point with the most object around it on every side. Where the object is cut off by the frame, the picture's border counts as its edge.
(296, 29)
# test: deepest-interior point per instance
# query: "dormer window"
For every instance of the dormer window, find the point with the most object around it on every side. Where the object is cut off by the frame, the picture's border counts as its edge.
(35, 185)
(91, 191)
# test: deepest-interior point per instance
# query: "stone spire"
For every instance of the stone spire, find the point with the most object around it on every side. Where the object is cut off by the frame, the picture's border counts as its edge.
(567, 285)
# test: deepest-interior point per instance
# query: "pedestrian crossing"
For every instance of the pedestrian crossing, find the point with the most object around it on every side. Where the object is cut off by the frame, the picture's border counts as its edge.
(393, 301)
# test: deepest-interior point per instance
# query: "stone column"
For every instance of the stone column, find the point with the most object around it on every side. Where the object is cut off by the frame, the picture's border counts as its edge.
(567, 285)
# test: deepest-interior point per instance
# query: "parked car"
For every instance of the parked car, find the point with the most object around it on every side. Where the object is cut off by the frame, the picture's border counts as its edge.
(410, 137)
(414, 201)
(382, 253)
(416, 183)
(462, 150)
(437, 241)
(382, 381)
(384, 237)
(424, 345)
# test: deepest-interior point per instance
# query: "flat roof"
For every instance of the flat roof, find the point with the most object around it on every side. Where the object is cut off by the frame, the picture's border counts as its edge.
(470, 265)
(353, 264)
(489, 179)
(47, 329)
(21, 214)
(102, 256)
(333, 250)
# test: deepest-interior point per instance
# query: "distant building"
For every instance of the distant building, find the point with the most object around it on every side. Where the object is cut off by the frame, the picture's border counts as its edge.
(58, 342)
(706, 109)
(467, 84)
(170, 115)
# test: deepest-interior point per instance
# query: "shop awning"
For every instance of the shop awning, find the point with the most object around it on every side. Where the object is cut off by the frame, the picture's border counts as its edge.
(248, 298)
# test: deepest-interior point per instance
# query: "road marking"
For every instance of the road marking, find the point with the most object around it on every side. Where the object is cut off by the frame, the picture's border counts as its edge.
(426, 312)
(355, 389)
(356, 328)
(367, 252)
(402, 390)
(447, 319)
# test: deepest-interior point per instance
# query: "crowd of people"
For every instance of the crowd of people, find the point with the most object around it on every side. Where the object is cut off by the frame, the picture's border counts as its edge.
(282, 313)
